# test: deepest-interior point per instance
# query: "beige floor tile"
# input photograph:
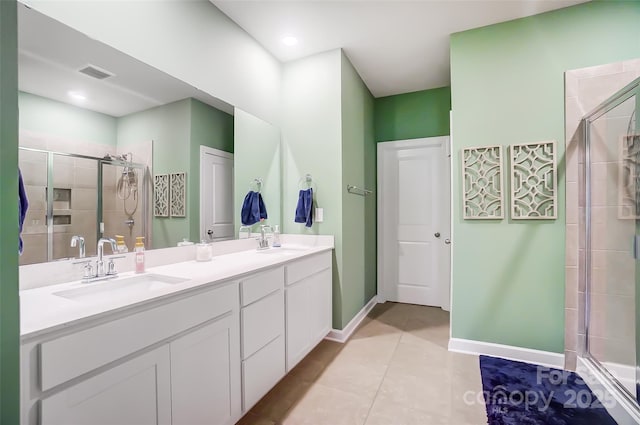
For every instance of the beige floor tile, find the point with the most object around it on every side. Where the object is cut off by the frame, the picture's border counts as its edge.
(374, 350)
(375, 328)
(388, 413)
(463, 414)
(326, 351)
(394, 370)
(329, 406)
(391, 314)
(415, 393)
(357, 378)
(427, 331)
(252, 419)
(425, 361)
(308, 369)
(277, 402)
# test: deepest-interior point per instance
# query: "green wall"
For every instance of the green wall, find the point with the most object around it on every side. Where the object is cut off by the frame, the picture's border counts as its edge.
(59, 119)
(358, 212)
(413, 115)
(169, 126)
(312, 143)
(257, 155)
(328, 132)
(177, 130)
(212, 128)
(507, 87)
(9, 304)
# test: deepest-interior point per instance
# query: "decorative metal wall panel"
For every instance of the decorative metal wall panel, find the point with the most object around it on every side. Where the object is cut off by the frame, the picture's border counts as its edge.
(178, 194)
(161, 195)
(629, 177)
(534, 181)
(482, 195)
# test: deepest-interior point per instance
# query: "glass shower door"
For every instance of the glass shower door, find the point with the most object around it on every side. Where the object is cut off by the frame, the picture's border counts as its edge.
(612, 216)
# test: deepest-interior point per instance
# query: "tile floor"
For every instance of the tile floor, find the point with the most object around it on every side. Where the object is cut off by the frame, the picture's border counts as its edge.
(395, 370)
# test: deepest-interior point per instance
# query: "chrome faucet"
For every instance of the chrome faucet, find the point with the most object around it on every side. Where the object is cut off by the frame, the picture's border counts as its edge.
(78, 240)
(244, 232)
(263, 242)
(100, 271)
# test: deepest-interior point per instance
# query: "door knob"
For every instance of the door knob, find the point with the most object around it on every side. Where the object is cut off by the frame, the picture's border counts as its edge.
(447, 241)
(436, 234)
(210, 233)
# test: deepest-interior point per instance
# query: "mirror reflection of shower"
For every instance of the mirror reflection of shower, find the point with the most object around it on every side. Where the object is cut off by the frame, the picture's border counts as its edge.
(127, 188)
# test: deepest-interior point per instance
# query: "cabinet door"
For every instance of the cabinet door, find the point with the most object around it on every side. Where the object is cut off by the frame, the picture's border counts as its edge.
(308, 314)
(298, 321)
(320, 288)
(134, 392)
(205, 374)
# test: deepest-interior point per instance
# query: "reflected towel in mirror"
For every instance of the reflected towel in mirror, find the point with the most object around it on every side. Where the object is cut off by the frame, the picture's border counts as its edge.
(303, 209)
(23, 205)
(253, 209)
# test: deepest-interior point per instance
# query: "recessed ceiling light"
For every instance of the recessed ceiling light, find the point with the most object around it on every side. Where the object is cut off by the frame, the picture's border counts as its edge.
(76, 95)
(289, 40)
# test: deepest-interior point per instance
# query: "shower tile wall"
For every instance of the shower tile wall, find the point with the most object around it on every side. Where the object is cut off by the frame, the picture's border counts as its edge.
(585, 89)
(78, 175)
(33, 166)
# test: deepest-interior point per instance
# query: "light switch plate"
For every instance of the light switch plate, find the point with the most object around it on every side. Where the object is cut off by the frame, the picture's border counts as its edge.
(319, 215)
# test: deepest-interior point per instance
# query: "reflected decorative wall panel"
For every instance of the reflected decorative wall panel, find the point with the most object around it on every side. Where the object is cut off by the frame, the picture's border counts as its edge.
(534, 181)
(178, 184)
(161, 195)
(482, 195)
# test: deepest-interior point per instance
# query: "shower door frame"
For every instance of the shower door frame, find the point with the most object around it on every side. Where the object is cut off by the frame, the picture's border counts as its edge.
(611, 103)
(100, 162)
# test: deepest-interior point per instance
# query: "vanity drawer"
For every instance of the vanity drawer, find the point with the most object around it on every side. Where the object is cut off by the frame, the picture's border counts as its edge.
(255, 287)
(262, 371)
(262, 321)
(67, 357)
(300, 269)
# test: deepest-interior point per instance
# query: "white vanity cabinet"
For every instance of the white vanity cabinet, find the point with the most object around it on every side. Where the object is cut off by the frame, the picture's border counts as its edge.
(205, 385)
(134, 392)
(308, 305)
(176, 362)
(262, 334)
(204, 355)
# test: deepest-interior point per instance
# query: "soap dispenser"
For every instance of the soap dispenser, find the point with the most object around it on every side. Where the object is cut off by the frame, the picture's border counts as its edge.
(120, 245)
(276, 236)
(139, 250)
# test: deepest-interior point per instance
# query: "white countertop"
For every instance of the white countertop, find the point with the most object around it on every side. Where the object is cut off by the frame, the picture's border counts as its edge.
(42, 311)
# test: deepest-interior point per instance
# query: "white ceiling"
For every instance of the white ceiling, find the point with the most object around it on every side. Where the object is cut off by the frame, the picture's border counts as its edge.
(50, 55)
(396, 46)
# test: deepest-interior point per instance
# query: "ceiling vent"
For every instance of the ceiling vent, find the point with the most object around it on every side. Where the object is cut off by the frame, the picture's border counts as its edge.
(95, 72)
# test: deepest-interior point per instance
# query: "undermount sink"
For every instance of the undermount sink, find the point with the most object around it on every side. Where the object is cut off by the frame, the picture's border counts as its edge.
(119, 288)
(284, 249)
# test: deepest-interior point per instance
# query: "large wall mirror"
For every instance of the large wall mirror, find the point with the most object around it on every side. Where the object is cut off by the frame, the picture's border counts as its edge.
(96, 128)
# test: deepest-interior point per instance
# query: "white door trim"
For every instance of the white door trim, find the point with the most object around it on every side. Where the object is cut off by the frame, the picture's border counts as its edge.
(382, 147)
(206, 150)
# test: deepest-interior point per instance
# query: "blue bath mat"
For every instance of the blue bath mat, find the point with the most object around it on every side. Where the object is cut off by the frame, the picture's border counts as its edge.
(519, 393)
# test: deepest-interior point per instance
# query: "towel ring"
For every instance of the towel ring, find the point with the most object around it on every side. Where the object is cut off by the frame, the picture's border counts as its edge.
(306, 182)
(257, 184)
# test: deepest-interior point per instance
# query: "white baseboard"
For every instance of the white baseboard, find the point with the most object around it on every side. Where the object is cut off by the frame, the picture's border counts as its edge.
(621, 409)
(342, 335)
(528, 355)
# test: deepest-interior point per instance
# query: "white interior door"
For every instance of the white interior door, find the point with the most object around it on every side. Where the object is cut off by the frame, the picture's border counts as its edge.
(413, 227)
(216, 194)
